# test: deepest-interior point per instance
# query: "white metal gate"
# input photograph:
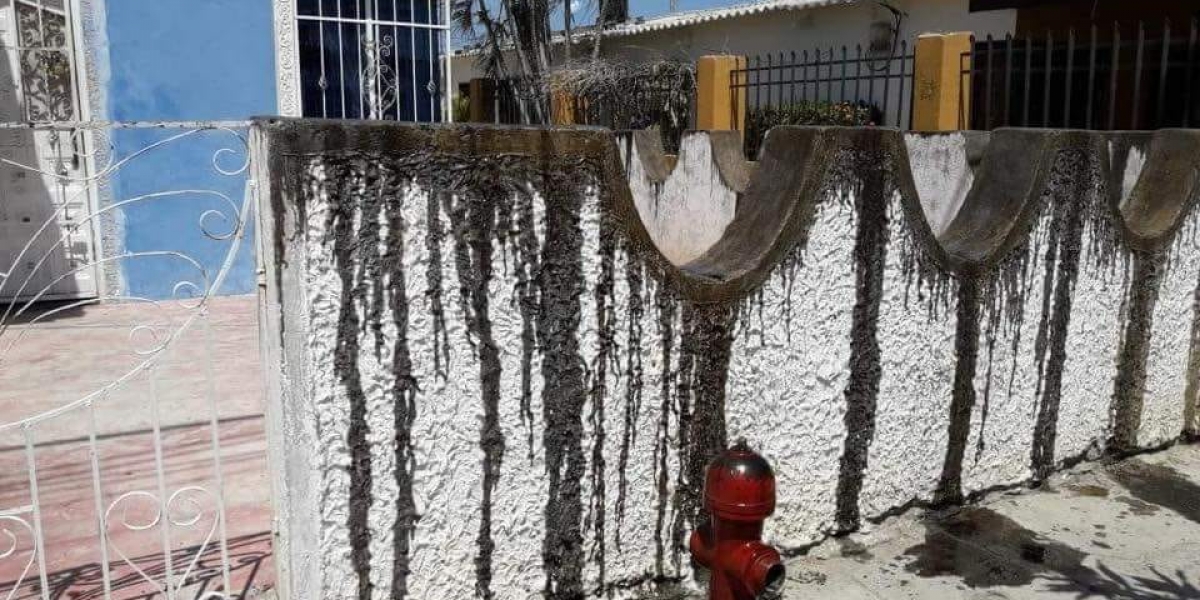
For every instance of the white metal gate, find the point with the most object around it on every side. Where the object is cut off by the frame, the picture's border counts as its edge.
(113, 485)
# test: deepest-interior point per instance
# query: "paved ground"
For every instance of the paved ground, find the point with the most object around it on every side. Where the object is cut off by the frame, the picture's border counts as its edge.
(1123, 531)
(62, 359)
(1127, 531)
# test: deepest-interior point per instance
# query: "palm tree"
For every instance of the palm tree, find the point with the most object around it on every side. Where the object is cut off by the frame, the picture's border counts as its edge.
(516, 42)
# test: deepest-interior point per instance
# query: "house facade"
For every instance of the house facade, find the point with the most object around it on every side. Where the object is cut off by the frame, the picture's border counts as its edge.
(140, 104)
(781, 26)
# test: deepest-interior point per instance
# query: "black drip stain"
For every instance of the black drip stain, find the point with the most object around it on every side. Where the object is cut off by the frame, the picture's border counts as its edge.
(966, 347)
(987, 549)
(862, 391)
(1130, 388)
(682, 500)
(433, 282)
(527, 268)
(1067, 224)
(473, 219)
(1154, 486)
(707, 344)
(497, 209)
(348, 252)
(404, 394)
(605, 302)
(634, 381)
(667, 306)
(560, 285)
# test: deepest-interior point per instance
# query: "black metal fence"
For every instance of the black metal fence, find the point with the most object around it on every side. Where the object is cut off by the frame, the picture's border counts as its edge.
(823, 87)
(883, 83)
(1129, 77)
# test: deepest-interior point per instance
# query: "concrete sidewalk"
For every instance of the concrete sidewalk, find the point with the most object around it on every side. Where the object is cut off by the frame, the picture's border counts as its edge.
(1127, 531)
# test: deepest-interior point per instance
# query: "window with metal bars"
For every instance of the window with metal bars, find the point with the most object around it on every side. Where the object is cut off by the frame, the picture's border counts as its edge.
(373, 59)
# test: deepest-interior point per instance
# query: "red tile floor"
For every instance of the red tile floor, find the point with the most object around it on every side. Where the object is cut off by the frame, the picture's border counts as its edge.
(56, 361)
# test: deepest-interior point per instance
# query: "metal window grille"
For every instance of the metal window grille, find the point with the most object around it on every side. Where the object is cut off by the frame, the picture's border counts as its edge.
(374, 59)
(1107, 77)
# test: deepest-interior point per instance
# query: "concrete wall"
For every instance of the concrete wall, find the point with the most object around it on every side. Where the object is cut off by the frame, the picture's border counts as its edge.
(492, 383)
(181, 60)
(685, 201)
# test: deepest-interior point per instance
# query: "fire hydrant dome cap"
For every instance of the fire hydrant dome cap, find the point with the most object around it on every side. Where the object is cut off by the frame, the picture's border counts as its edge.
(740, 485)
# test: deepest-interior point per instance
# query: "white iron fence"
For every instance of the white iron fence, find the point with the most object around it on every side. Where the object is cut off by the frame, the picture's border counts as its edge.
(112, 482)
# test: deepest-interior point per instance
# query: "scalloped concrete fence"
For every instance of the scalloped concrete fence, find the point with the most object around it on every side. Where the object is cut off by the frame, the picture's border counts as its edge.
(492, 382)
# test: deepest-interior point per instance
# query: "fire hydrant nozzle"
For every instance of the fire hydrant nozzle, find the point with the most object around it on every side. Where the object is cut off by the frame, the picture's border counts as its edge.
(739, 493)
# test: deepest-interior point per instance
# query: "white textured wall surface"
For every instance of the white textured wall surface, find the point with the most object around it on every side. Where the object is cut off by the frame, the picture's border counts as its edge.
(1170, 340)
(915, 331)
(791, 370)
(941, 174)
(794, 416)
(1093, 346)
(688, 212)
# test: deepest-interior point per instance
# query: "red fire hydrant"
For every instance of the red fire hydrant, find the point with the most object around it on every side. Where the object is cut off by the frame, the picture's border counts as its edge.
(739, 492)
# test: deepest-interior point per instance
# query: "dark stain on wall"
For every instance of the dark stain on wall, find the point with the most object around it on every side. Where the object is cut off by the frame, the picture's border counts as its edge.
(605, 307)
(404, 396)
(473, 219)
(966, 352)
(667, 307)
(707, 343)
(526, 252)
(561, 284)
(433, 281)
(1071, 204)
(698, 308)
(1130, 389)
(682, 500)
(348, 252)
(634, 381)
(862, 390)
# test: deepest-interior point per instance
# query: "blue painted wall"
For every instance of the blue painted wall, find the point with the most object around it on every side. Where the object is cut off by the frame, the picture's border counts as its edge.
(184, 60)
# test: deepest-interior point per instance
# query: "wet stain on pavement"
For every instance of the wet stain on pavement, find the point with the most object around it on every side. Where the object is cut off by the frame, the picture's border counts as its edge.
(1137, 507)
(855, 550)
(1160, 485)
(987, 549)
(1089, 490)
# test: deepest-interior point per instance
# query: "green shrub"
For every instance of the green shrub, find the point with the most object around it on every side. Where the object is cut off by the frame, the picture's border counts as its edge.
(760, 120)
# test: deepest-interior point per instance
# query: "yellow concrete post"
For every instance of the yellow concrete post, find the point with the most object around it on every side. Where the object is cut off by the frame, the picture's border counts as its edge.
(943, 89)
(719, 105)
